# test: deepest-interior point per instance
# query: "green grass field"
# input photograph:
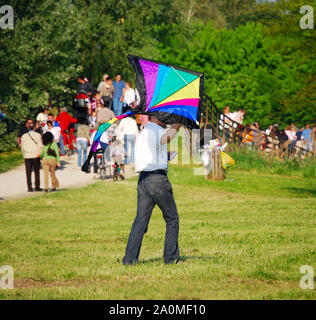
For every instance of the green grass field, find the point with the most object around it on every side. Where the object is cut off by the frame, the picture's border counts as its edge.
(9, 160)
(241, 239)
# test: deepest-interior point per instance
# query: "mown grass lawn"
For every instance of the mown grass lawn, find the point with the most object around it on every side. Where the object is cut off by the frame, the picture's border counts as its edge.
(10, 159)
(241, 239)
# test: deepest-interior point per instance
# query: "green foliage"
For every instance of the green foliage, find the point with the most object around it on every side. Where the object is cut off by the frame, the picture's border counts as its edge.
(240, 68)
(40, 56)
(297, 46)
(116, 28)
(267, 69)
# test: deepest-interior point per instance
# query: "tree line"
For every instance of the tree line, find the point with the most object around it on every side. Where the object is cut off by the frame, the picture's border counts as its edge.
(253, 53)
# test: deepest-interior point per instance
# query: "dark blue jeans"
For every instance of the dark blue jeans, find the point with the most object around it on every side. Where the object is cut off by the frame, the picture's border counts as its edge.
(154, 189)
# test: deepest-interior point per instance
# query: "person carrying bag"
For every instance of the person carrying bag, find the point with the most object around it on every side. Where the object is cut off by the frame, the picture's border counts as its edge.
(50, 159)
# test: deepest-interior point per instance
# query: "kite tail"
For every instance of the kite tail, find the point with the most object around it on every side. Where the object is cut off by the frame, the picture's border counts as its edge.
(102, 128)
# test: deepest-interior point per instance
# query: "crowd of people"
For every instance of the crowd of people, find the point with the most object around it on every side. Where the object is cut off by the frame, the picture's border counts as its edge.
(54, 136)
(292, 138)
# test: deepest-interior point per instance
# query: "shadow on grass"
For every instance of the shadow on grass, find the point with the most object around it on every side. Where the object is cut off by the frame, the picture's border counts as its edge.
(184, 258)
(301, 191)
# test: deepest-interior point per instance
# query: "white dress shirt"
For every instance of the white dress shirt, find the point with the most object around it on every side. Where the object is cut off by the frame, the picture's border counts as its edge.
(150, 153)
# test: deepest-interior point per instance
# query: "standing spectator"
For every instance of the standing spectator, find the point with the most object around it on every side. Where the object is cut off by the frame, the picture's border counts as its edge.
(106, 88)
(291, 134)
(31, 145)
(247, 136)
(130, 98)
(225, 122)
(299, 139)
(299, 134)
(41, 118)
(118, 96)
(82, 142)
(56, 127)
(238, 116)
(127, 131)
(95, 103)
(50, 159)
(307, 136)
(102, 85)
(65, 119)
(268, 131)
(104, 114)
(293, 127)
(55, 131)
(23, 130)
(84, 86)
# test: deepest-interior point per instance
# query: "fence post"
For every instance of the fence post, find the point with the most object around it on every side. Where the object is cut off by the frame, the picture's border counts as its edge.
(217, 171)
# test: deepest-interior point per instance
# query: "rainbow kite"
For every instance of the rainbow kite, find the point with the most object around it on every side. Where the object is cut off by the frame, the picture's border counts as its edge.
(170, 93)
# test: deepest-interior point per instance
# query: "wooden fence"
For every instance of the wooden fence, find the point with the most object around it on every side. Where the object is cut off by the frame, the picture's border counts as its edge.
(229, 130)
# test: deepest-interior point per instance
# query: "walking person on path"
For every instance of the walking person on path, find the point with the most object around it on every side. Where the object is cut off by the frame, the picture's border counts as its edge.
(82, 142)
(151, 161)
(31, 145)
(118, 96)
(50, 159)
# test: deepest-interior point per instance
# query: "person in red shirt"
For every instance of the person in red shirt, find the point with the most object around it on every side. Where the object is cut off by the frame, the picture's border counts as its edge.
(65, 119)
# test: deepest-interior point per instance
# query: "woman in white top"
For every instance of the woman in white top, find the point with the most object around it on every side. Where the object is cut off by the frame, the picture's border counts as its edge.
(130, 95)
(291, 134)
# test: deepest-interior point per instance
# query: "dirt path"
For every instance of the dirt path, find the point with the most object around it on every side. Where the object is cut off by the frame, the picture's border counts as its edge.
(13, 183)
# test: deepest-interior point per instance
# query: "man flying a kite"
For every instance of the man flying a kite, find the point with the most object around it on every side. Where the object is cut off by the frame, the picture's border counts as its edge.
(169, 95)
(151, 162)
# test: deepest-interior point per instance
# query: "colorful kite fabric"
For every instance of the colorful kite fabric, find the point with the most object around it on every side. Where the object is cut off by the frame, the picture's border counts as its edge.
(172, 93)
(96, 141)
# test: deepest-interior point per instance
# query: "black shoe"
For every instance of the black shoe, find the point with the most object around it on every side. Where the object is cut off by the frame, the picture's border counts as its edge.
(39, 189)
(53, 190)
(30, 190)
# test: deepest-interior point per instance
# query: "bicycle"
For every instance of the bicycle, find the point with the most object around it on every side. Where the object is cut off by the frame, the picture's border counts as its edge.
(103, 166)
(69, 141)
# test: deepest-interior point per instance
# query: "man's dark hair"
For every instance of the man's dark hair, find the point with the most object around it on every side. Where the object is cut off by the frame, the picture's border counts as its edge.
(50, 114)
(49, 122)
(106, 103)
(47, 138)
(81, 77)
(118, 74)
(95, 92)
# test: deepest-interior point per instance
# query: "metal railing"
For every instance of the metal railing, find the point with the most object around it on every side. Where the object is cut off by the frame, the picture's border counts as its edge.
(229, 130)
